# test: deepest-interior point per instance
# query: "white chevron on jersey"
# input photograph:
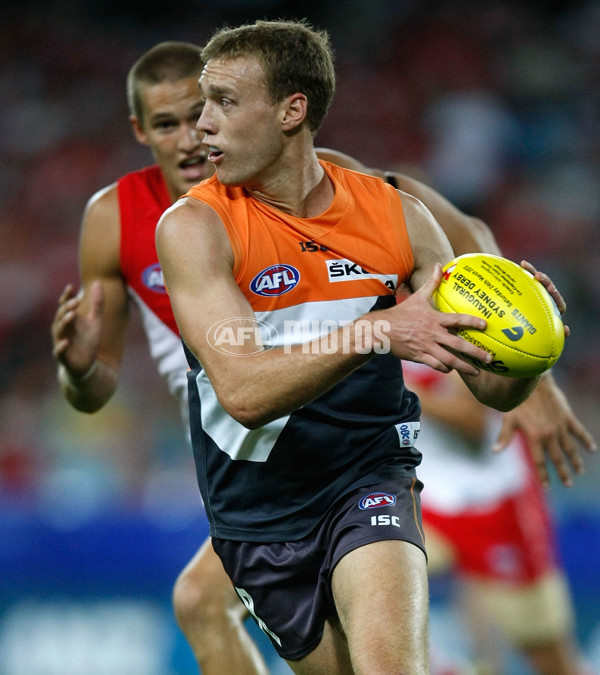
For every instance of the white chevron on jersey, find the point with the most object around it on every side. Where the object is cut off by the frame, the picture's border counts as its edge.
(231, 436)
(314, 317)
(256, 445)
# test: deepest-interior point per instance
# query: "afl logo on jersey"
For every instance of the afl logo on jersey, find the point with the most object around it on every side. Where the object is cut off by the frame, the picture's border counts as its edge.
(275, 280)
(374, 500)
(153, 278)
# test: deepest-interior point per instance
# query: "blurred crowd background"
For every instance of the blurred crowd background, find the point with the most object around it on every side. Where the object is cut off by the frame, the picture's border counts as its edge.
(495, 104)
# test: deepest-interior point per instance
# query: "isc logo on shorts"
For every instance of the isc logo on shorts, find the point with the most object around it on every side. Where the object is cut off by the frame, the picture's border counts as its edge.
(375, 500)
(275, 280)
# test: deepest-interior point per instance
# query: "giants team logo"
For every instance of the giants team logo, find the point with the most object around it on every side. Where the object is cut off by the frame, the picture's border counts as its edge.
(275, 280)
(376, 499)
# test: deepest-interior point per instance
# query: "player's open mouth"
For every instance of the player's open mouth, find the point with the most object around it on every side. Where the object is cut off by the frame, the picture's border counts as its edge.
(214, 153)
(194, 168)
(193, 161)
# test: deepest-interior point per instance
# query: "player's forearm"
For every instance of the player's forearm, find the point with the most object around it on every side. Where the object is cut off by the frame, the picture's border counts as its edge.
(260, 388)
(466, 416)
(90, 392)
(501, 393)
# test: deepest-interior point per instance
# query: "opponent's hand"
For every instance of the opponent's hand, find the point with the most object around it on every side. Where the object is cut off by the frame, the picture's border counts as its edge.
(420, 333)
(552, 431)
(76, 336)
(550, 287)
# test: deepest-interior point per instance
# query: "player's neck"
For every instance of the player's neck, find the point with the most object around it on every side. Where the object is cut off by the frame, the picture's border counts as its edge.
(300, 187)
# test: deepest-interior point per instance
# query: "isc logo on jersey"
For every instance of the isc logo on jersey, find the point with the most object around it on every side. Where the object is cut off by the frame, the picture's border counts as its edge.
(152, 277)
(275, 280)
(375, 500)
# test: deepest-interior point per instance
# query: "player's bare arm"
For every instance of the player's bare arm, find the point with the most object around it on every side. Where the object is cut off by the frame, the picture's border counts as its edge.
(465, 416)
(89, 328)
(552, 429)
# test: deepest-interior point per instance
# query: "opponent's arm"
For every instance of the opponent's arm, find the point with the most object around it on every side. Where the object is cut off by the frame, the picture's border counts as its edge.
(89, 327)
(450, 403)
(546, 419)
(465, 233)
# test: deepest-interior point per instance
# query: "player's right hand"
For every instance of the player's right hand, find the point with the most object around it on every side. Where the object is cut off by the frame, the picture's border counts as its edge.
(421, 333)
(76, 335)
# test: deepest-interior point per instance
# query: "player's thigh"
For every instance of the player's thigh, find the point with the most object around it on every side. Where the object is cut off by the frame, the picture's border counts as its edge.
(381, 595)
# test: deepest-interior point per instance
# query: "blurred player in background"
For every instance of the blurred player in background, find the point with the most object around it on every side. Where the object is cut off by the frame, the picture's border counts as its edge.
(118, 263)
(486, 519)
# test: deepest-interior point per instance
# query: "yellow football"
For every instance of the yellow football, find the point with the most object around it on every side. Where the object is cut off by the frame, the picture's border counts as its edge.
(525, 332)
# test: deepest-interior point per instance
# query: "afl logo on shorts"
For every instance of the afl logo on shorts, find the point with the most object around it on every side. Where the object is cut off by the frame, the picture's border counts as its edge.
(376, 499)
(152, 277)
(275, 280)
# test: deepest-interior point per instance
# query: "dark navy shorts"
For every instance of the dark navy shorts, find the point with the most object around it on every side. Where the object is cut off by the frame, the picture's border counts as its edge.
(287, 586)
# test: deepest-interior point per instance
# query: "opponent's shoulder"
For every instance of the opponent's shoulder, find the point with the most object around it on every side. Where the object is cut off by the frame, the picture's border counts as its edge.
(101, 224)
(104, 202)
(100, 234)
(346, 161)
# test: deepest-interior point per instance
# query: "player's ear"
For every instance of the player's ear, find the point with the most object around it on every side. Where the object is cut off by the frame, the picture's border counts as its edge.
(294, 111)
(138, 130)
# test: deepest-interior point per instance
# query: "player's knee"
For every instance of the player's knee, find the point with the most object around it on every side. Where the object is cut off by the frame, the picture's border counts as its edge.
(533, 614)
(196, 598)
(203, 595)
(187, 598)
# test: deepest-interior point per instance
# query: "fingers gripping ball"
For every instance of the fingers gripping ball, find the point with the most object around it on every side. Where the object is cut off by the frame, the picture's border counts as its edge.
(524, 333)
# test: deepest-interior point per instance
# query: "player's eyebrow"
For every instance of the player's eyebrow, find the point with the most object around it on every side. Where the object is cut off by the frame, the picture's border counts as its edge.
(218, 90)
(161, 117)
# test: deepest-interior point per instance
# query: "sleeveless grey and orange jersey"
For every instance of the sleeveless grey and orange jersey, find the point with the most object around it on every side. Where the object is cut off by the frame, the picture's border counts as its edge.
(275, 482)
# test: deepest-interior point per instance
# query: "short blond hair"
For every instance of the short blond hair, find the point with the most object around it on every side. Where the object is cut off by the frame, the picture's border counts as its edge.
(294, 56)
(165, 62)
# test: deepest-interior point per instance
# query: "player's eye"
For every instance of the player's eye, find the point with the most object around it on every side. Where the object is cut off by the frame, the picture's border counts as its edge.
(165, 125)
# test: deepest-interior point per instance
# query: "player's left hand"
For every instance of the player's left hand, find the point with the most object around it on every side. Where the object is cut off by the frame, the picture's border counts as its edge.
(551, 429)
(555, 294)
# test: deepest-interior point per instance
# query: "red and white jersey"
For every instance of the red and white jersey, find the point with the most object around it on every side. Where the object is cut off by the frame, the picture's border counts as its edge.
(143, 197)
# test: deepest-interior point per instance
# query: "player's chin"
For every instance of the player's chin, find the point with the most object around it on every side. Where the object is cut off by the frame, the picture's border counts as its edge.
(229, 179)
